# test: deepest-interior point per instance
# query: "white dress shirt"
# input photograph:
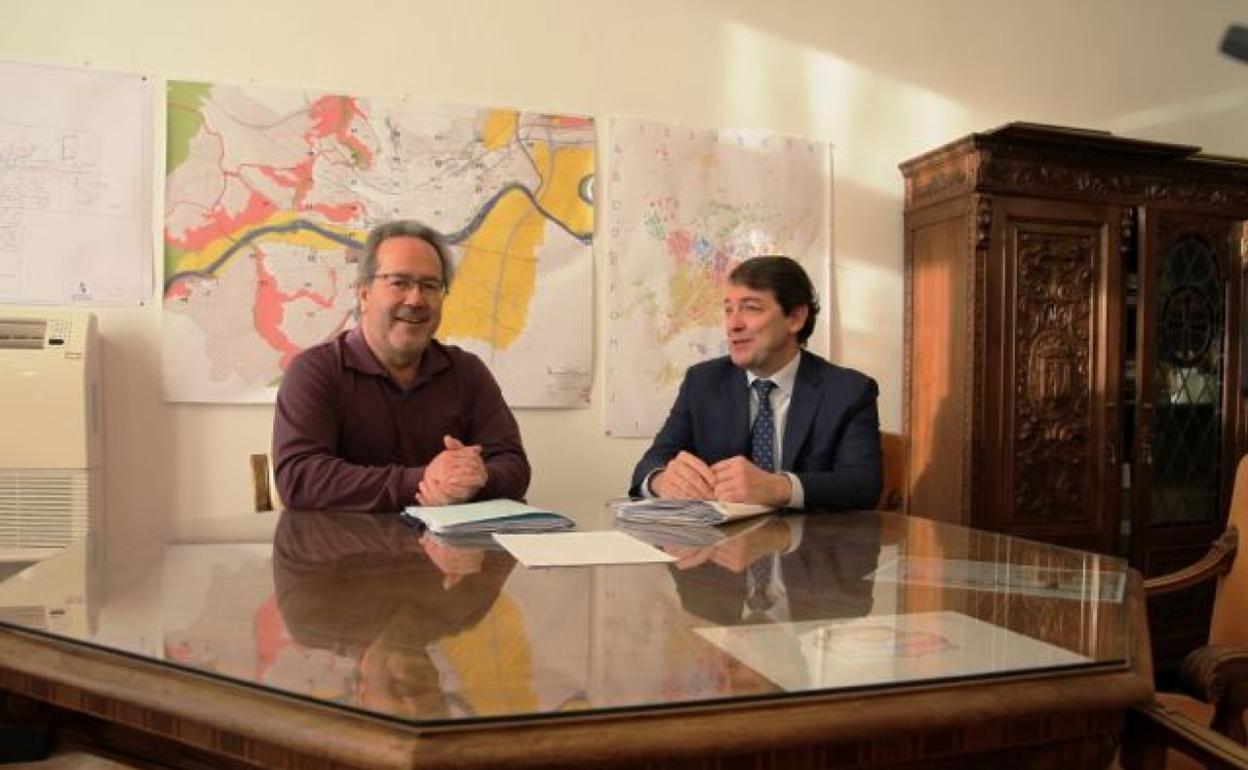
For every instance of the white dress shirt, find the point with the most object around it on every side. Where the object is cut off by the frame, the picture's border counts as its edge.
(781, 397)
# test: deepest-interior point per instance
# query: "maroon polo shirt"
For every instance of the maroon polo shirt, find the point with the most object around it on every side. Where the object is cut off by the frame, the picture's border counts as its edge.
(346, 436)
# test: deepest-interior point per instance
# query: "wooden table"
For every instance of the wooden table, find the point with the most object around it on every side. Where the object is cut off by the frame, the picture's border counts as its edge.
(354, 641)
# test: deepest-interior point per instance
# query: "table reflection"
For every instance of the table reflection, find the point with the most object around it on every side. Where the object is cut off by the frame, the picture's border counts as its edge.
(370, 589)
(370, 613)
(809, 570)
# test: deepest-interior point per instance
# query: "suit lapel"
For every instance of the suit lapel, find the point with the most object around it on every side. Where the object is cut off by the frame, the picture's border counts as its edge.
(802, 409)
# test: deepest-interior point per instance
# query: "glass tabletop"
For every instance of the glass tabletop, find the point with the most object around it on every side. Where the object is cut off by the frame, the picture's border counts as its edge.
(367, 612)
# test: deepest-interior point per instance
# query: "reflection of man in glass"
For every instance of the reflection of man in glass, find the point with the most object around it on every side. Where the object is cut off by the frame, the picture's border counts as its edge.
(767, 575)
(373, 588)
(780, 569)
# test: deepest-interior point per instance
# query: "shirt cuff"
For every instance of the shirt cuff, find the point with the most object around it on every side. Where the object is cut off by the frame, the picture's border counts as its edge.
(798, 498)
(646, 491)
(797, 527)
(409, 484)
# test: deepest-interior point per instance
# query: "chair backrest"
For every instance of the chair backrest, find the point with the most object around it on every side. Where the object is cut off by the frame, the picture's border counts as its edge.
(261, 483)
(1229, 624)
(893, 456)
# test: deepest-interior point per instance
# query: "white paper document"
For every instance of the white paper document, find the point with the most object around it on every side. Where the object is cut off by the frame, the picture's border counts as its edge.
(75, 186)
(885, 650)
(574, 549)
(1098, 581)
(500, 515)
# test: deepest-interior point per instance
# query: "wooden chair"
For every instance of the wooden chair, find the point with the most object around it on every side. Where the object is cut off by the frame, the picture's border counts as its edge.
(1204, 723)
(893, 455)
(1158, 737)
(261, 483)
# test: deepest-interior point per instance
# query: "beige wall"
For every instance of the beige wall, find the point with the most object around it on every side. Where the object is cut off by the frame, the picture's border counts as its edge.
(881, 79)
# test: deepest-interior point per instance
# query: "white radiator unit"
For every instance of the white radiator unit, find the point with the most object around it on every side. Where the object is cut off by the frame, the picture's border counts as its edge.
(51, 458)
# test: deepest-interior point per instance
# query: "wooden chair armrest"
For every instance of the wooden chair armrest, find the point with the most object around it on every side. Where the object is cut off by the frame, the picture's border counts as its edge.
(1213, 564)
(262, 498)
(1152, 728)
(1218, 674)
(1209, 673)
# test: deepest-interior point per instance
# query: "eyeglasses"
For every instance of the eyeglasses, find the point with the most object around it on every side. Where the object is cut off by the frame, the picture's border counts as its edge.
(401, 283)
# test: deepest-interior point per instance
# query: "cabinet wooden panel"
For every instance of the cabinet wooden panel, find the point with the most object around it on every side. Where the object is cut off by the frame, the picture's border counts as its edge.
(1073, 346)
(1050, 347)
(939, 285)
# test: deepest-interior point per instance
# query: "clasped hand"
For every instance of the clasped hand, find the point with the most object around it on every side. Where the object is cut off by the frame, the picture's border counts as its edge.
(455, 475)
(738, 552)
(453, 562)
(735, 480)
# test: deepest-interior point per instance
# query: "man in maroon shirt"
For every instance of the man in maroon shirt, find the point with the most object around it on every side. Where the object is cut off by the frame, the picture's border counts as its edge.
(383, 415)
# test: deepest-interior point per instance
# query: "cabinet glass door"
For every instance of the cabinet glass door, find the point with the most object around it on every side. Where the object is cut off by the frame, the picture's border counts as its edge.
(1187, 409)
(1184, 449)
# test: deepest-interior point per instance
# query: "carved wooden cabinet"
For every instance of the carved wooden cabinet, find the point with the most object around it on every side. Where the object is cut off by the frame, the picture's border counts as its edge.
(1073, 346)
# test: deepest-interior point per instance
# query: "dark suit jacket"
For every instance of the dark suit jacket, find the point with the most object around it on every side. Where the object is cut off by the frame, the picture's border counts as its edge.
(831, 439)
(826, 575)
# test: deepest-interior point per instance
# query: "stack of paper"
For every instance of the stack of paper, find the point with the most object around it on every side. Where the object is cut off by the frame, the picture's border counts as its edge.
(487, 516)
(699, 512)
(682, 533)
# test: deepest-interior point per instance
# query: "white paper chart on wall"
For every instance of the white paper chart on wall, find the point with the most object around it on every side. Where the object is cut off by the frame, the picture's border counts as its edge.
(684, 207)
(75, 198)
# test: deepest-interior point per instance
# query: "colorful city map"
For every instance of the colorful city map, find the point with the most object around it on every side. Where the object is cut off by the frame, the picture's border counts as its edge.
(270, 194)
(685, 207)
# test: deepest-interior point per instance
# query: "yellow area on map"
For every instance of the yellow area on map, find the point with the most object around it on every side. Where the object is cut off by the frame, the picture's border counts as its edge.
(497, 276)
(560, 192)
(207, 255)
(500, 129)
(496, 279)
(695, 302)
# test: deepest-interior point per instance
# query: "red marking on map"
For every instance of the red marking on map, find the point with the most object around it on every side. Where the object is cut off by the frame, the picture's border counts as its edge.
(270, 309)
(570, 121)
(332, 117)
(343, 212)
(220, 223)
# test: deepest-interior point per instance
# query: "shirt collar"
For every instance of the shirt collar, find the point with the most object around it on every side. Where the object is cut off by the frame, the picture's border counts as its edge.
(784, 377)
(358, 356)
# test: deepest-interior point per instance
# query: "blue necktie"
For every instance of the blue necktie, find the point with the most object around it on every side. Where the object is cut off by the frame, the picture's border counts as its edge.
(763, 454)
(758, 596)
(763, 432)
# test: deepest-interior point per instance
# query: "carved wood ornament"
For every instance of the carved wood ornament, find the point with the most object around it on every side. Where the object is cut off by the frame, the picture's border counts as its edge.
(1052, 477)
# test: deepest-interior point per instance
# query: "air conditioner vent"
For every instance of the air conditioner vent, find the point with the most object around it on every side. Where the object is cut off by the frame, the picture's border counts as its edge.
(22, 333)
(43, 508)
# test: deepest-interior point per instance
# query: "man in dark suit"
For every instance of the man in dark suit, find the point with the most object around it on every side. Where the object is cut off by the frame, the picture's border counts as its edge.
(810, 440)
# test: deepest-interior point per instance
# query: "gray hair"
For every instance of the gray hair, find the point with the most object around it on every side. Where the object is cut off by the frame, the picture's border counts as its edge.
(367, 268)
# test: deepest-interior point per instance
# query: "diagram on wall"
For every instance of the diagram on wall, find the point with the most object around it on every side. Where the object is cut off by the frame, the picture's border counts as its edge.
(75, 195)
(685, 206)
(270, 194)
